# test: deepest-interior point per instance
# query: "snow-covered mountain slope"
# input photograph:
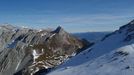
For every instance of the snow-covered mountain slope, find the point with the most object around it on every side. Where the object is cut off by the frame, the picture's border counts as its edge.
(91, 36)
(113, 55)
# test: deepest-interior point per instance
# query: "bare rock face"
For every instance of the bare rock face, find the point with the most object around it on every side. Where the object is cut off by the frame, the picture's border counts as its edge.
(27, 51)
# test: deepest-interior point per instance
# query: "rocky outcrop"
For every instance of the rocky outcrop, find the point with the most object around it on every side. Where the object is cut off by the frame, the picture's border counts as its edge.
(27, 51)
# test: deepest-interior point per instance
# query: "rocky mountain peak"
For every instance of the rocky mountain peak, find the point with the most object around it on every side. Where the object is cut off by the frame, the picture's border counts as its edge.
(59, 29)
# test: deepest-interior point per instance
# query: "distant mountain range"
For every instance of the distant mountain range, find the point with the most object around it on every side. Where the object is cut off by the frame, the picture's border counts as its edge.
(91, 36)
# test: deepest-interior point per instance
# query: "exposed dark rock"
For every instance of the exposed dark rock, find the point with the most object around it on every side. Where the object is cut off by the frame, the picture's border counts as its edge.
(121, 53)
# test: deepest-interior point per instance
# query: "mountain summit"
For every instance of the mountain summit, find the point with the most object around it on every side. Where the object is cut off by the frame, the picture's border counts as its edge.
(58, 29)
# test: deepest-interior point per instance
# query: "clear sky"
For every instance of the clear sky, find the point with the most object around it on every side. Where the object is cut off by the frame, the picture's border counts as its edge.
(73, 15)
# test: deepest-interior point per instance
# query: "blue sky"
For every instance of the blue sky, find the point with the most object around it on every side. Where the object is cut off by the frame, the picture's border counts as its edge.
(73, 15)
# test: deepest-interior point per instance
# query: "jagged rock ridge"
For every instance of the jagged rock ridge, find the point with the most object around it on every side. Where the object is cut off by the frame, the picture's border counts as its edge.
(26, 51)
